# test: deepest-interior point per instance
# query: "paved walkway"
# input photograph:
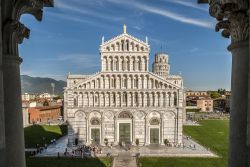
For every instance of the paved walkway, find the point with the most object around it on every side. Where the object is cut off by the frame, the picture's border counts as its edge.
(124, 159)
(190, 149)
(53, 149)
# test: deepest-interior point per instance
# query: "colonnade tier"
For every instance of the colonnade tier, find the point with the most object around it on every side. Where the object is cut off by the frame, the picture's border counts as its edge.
(124, 63)
(123, 99)
(127, 81)
(124, 45)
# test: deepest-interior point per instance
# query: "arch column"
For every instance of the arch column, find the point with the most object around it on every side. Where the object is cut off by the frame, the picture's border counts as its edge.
(162, 130)
(13, 118)
(102, 130)
(146, 131)
(144, 99)
(233, 19)
(87, 129)
(115, 128)
(133, 130)
(121, 64)
(139, 99)
(13, 33)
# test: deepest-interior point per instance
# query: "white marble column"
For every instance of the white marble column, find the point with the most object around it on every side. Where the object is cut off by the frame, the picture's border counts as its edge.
(133, 130)
(139, 100)
(115, 130)
(146, 131)
(102, 130)
(88, 141)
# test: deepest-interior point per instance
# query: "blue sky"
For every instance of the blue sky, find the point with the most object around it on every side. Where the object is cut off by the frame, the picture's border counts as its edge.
(68, 38)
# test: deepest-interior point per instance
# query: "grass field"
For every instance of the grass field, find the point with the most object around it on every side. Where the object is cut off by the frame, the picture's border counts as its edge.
(35, 135)
(68, 162)
(212, 134)
(41, 134)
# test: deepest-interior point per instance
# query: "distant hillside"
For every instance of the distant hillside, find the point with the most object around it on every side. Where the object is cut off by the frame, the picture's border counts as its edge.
(37, 85)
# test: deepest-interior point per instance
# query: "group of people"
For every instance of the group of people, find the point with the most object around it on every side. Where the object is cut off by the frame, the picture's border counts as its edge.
(84, 151)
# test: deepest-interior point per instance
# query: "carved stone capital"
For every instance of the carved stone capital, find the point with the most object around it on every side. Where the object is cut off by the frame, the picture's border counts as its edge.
(33, 7)
(233, 18)
(14, 32)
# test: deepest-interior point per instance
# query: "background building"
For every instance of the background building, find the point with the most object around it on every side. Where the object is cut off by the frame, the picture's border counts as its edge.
(45, 114)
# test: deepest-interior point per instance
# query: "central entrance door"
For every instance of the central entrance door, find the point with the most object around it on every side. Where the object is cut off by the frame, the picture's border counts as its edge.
(154, 135)
(95, 136)
(124, 132)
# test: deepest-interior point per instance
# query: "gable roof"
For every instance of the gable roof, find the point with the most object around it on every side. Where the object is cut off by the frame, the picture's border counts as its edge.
(126, 36)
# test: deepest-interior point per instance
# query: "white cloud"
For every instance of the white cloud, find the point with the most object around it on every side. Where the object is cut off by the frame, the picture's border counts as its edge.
(79, 9)
(193, 50)
(165, 13)
(188, 4)
(175, 16)
(85, 60)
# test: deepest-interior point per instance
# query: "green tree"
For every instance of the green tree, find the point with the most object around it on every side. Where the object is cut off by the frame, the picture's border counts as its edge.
(215, 95)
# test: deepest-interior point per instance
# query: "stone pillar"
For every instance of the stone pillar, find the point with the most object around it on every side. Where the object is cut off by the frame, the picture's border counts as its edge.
(87, 129)
(144, 99)
(139, 100)
(147, 137)
(115, 130)
(2, 122)
(13, 104)
(162, 130)
(239, 103)
(12, 33)
(120, 64)
(233, 19)
(102, 130)
(133, 130)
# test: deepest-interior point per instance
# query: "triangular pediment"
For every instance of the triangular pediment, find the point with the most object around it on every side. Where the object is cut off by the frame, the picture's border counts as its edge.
(124, 38)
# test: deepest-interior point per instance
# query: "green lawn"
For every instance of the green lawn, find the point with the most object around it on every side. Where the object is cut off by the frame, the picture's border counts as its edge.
(212, 134)
(68, 162)
(35, 134)
(40, 134)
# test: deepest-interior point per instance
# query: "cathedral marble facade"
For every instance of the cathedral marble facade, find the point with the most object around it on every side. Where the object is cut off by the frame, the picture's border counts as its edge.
(125, 102)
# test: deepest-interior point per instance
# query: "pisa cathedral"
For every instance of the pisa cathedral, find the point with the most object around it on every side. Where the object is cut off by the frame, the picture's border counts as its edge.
(125, 102)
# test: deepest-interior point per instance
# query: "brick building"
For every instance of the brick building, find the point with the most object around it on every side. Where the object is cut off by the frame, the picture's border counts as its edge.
(44, 114)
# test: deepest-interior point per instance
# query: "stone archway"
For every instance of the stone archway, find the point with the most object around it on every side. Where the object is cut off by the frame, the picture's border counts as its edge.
(13, 32)
(125, 126)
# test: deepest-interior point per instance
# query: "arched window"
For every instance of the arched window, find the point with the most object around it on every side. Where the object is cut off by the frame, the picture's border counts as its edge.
(125, 114)
(175, 99)
(114, 98)
(75, 100)
(148, 100)
(127, 45)
(133, 64)
(123, 45)
(125, 98)
(111, 65)
(169, 99)
(136, 82)
(117, 65)
(123, 65)
(95, 121)
(125, 82)
(136, 99)
(154, 121)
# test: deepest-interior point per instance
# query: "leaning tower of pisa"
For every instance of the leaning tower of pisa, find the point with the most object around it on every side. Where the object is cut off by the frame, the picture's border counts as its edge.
(160, 65)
